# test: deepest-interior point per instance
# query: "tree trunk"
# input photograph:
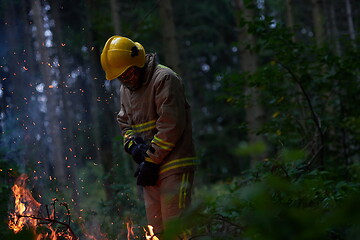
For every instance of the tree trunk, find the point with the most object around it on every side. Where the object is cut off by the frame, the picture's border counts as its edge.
(13, 81)
(29, 75)
(172, 58)
(53, 128)
(115, 16)
(68, 113)
(116, 21)
(317, 146)
(318, 21)
(350, 21)
(21, 74)
(15, 65)
(334, 29)
(290, 17)
(249, 64)
(103, 113)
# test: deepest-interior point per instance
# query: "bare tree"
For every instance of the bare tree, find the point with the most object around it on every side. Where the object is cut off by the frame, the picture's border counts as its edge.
(334, 32)
(172, 58)
(52, 118)
(290, 16)
(115, 16)
(350, 21)
(249, 64)
(103, 111)
(68, 112)
(318, 20)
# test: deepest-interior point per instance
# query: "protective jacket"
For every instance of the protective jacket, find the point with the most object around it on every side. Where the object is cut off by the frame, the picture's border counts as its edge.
(158, 112)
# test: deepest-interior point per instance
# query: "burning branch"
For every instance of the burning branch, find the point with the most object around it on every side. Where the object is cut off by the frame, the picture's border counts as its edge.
(27, 213)
(49, 222)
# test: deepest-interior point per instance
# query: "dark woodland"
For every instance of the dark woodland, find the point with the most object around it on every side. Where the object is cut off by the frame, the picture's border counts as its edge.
(274, 91)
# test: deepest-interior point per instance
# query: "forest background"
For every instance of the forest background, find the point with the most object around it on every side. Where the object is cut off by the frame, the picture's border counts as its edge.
(274, 90)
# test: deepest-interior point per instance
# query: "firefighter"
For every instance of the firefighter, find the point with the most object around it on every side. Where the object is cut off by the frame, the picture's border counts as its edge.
(156, 124)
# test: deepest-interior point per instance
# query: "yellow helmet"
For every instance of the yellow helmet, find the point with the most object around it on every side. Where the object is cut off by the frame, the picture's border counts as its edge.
(119, 54)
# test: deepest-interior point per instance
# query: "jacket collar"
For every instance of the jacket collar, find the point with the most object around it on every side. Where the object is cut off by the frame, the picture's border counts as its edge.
(150, 65)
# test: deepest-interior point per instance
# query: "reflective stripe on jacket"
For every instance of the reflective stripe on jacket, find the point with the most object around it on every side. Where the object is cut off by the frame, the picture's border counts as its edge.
(159, 113)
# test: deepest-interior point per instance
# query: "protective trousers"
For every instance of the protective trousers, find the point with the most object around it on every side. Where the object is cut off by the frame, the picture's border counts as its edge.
(168, 199)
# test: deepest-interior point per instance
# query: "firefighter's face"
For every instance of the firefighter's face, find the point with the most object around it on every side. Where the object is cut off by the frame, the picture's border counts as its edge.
(131, 77)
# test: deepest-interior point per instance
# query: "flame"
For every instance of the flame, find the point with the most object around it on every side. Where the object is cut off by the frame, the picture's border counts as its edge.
(150, 235)
(130, 230)
(25, 205)
(52, 235)
(26, 214)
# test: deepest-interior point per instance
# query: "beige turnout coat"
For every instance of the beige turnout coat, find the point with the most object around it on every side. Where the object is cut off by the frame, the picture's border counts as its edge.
(158, 112)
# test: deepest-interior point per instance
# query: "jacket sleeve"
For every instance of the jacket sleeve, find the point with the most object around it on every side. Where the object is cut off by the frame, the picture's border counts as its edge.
(170, 125)
(125, 126)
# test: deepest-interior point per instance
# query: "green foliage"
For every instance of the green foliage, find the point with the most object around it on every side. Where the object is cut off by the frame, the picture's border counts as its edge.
(308, 93)
(309, 185)
(208, 53)
(126, 205)
(273, 202)
(306, 188)
(244, 149)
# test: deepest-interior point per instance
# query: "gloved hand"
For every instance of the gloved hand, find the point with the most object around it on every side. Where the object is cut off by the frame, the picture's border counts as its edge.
(138, 150)
(147, 174)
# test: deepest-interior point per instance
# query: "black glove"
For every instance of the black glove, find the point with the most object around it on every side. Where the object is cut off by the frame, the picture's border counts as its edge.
(147, 174)
(138, 150)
